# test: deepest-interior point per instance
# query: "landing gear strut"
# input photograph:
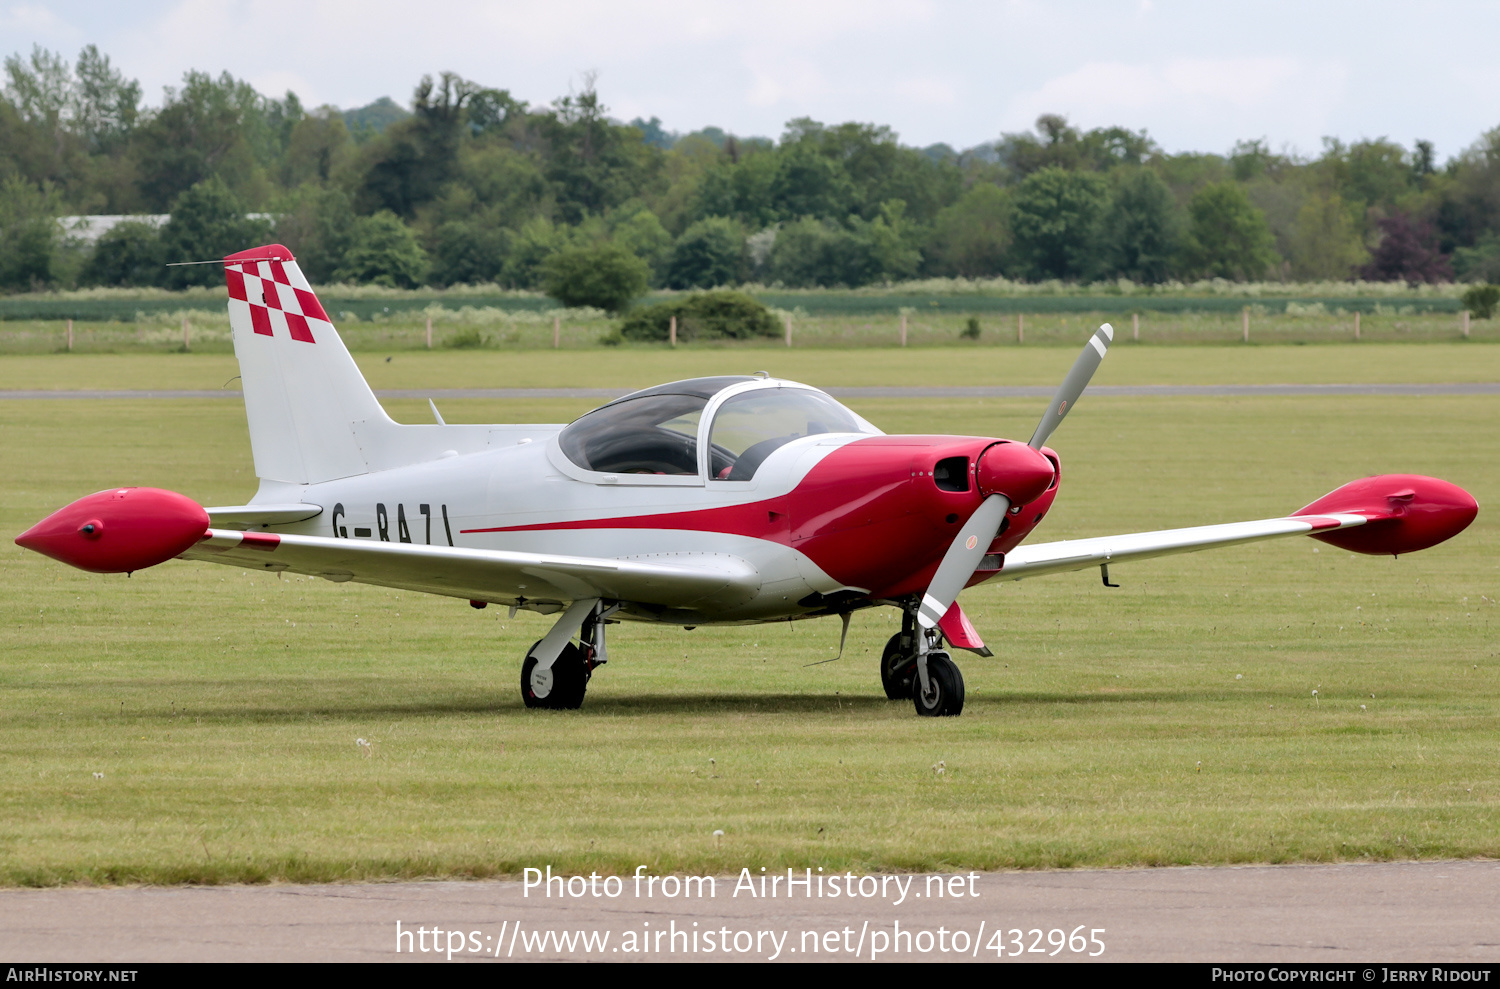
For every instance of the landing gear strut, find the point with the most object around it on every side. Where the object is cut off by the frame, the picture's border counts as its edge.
(914, 666)
(556, 671)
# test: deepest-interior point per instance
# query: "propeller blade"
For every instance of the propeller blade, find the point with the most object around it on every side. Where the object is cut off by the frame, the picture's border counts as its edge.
(962, 559)
(1073, 385)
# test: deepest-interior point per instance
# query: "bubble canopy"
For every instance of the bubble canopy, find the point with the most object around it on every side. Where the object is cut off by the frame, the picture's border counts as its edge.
(658, 431)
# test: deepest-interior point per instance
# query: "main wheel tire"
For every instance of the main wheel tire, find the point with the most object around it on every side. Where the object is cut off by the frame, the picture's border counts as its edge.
(569, 680)
(898, 669)
(944, 697)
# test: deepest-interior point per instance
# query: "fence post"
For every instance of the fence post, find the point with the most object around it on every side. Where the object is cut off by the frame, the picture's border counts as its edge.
(672, 331)
(1466, 324)
(429, 332)
(1135, 327)
(1245, 324)
(556, 331)
(1020, 328)
(70, 336)
(788, 330)
(903, 329)
(1356, 324)
(186, 341)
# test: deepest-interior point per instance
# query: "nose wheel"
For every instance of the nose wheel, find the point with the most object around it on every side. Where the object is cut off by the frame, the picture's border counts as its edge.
(942, 695)
(914, 667)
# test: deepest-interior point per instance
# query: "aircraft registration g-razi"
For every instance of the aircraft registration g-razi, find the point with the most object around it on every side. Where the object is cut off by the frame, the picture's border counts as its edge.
(713, 501)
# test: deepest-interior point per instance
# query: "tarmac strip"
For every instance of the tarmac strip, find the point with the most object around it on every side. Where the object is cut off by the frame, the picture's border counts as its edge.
(894, 391)
(1361, 914)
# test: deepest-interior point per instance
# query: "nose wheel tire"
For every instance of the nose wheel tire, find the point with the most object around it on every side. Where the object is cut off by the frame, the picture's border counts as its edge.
(898, 668)
(560, 688)
(944, 696)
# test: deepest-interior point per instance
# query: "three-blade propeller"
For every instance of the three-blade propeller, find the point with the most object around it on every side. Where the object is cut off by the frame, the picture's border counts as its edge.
(973, 540)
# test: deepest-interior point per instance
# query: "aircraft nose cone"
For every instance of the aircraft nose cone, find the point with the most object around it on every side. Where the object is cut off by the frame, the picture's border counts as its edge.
(118, 530)
(1016, 471)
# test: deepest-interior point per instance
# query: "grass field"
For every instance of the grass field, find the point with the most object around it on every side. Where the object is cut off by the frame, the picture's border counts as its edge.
(196, 723)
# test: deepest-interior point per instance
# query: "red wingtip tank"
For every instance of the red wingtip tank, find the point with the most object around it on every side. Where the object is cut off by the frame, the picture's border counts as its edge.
(1407, 512)
(119, 530)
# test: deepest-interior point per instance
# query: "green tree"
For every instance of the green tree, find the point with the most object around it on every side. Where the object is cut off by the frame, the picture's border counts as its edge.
(129, 253)
(318, 148)
(703, 316)
(1140, 230)
(208, 222)
(592, 164)
(1056, 223)
(408, 165)
(468, 252)
(1326, 243)
(383, 251)
(210, 127)
(709, 253)
(30, 238)
(316, 222)
(1227, 236)
(637, 229)
(602, 276)
(971, 238)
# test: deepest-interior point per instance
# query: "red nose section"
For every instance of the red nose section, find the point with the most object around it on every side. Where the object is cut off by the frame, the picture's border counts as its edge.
(1408, 512)
(1016, 471)
(119, 530)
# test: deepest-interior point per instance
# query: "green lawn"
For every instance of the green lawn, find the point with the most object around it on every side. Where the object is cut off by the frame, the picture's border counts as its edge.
(639, 368)
(1169, 721)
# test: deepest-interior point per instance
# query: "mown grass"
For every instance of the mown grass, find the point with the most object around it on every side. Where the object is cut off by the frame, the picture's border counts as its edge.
(640, 368)
(1171, 721)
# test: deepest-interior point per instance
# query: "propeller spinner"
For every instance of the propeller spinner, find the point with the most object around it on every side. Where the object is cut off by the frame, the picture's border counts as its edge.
(1009, 477)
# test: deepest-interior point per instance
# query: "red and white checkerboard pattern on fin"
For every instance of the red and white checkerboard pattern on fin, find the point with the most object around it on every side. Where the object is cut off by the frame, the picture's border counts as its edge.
(268, 280)
(303, 404)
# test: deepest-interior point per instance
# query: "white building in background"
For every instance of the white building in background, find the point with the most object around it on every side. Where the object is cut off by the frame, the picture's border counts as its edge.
(89, 229)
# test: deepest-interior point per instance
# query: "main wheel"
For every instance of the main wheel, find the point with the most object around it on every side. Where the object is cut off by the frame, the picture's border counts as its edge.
(898, 668)
(560, 688)
(944, 696)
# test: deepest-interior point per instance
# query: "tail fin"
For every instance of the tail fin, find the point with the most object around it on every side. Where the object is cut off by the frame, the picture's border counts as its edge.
(305, 398)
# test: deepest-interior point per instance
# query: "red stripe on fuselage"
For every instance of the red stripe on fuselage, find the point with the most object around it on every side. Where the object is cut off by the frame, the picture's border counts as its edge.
(869, 514)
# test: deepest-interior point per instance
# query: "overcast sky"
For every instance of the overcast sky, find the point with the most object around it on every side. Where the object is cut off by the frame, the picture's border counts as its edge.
(1197, 76)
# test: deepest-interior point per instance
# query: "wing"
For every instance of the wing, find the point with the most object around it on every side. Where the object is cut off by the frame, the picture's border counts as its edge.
(1385, 514)
(488, 575)
(1080, 554)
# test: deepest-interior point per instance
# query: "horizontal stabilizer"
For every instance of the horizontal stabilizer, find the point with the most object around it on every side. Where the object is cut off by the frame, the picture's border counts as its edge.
(260, 516)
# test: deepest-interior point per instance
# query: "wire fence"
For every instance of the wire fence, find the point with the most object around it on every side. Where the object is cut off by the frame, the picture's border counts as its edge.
(207, 331)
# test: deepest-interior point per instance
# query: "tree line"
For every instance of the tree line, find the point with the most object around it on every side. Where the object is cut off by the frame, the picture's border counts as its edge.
(474, 186)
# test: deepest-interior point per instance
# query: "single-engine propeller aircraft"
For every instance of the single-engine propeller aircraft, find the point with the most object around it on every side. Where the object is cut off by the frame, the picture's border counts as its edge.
(725, 500)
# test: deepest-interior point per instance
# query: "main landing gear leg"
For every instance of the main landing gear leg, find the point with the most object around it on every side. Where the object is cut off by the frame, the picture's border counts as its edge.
(556, 672)
(915, 666)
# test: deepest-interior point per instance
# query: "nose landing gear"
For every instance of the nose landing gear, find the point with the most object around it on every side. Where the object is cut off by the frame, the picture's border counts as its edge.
(913, 666)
